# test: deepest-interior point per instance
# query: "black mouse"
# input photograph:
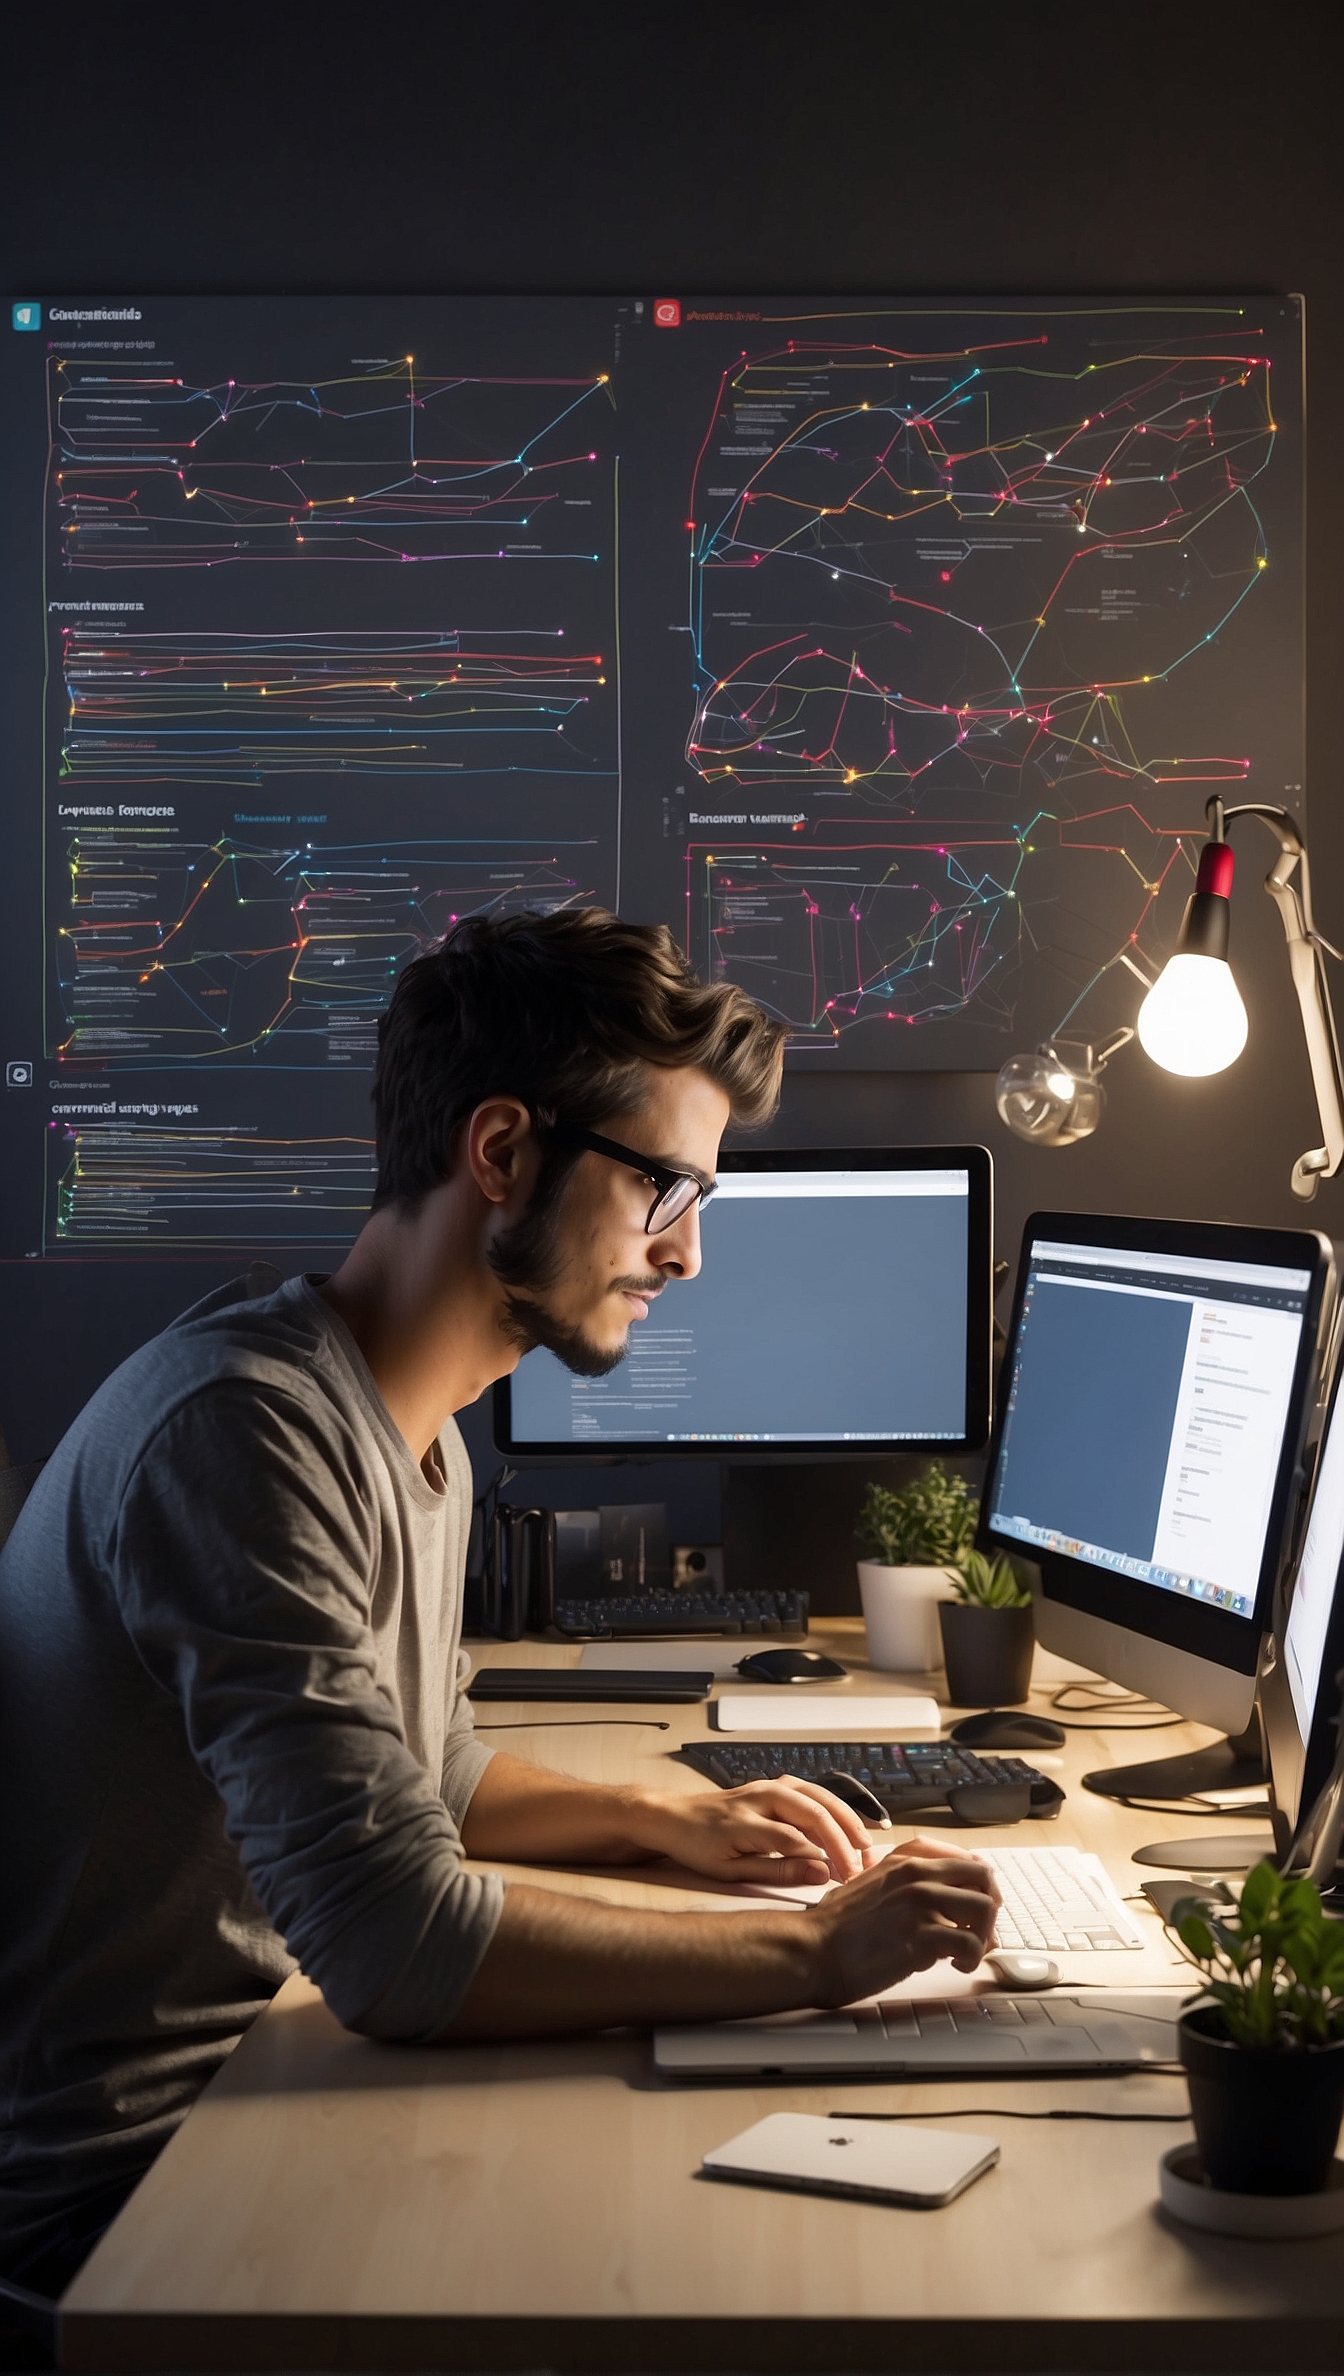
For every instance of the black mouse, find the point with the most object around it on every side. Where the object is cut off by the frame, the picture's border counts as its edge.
(790, 1666)
(1007, 1728)
(856, 1794)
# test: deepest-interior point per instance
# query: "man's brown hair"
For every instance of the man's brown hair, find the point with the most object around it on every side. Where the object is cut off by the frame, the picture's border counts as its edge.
(564, 1011)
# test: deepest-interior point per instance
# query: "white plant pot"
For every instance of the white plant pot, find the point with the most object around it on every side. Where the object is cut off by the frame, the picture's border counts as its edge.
(900, 1615)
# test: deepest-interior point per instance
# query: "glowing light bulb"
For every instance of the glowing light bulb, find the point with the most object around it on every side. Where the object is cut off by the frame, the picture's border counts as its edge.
(1193, 1021)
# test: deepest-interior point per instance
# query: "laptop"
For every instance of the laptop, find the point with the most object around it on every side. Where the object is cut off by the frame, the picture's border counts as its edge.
(996, 2034)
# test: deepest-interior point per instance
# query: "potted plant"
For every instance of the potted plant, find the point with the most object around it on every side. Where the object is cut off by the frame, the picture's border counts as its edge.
(909, 1543)
(988, 1633)
(1263, 2043)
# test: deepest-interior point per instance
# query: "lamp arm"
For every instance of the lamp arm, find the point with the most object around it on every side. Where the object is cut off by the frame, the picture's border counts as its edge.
(1306, 965)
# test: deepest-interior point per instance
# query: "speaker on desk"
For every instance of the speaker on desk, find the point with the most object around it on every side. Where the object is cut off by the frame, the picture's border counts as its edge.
(520, 1575)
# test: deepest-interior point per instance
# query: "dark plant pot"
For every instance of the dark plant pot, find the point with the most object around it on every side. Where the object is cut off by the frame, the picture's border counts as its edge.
(1266, 2117)
(987, 1653)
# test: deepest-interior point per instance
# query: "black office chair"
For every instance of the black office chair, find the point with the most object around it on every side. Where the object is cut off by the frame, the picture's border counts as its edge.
(24, 2316)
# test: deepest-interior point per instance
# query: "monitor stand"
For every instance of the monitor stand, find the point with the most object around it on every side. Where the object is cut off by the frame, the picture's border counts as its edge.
(1230, 1764)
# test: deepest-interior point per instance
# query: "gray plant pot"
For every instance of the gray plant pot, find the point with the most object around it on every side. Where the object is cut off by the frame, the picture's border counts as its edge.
(987, 1653)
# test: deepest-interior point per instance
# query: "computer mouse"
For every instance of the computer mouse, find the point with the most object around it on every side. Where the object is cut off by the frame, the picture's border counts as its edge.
(856, 1794)
(1007, 1728)
(1019, 1967)
(790, 1666)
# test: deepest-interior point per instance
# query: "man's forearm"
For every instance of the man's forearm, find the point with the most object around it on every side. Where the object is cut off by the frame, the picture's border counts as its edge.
(571, 1963)
(525, 1814)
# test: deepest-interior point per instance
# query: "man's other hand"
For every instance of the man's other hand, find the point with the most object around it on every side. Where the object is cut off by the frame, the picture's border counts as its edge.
(794, 1834)
(924, 1903)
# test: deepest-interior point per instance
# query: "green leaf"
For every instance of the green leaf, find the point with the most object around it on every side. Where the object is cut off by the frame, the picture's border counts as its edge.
(928, 1523)
(989, 1582)
(1259, 1891)
(1194, 1934)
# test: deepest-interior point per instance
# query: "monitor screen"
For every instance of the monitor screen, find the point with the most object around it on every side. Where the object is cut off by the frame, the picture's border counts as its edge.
(1152, 1400)
(1313, 1602)
(843, 1306)
(1302, 1688)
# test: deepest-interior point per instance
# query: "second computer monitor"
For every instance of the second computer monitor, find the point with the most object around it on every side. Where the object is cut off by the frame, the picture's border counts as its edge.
(843, 1309)
(1300, 1691)
(1152, 1405)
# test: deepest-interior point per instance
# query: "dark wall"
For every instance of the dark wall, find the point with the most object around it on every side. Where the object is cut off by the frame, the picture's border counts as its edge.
(1049, 148)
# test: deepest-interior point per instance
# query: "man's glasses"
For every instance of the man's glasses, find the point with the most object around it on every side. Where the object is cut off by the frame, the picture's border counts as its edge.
(676, 1191)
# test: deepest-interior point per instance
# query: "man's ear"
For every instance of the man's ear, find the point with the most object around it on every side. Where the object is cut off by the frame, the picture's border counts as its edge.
(500, 1149)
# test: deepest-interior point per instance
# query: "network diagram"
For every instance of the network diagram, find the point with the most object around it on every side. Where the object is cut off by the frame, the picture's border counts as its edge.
(153, 472)
(888, 654)
(177, 953)
(974, 607)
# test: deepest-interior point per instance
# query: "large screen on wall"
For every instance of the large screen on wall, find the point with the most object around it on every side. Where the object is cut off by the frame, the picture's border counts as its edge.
(886, 651)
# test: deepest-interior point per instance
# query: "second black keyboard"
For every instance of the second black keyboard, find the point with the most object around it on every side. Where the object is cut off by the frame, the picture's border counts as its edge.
(908, 1777)
(631, 1616)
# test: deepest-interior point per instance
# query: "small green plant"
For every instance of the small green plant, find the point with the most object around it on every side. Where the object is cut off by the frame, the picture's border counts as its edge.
(1274, 1966)
(989, 1581)
(928, 1523)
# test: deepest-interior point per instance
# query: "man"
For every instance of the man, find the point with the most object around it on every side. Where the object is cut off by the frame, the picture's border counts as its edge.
(229, 1614)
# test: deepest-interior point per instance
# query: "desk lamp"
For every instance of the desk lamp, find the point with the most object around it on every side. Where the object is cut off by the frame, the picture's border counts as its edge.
(1192, 1021)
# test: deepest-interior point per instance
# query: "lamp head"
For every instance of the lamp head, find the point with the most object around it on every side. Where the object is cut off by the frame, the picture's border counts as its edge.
(1050, 1099)
(1193, 1022)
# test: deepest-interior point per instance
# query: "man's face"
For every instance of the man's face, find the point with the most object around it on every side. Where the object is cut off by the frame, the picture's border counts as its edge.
(579, 1274)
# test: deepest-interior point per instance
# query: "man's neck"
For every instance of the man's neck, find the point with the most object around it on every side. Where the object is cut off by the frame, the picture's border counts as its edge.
(424, 1309)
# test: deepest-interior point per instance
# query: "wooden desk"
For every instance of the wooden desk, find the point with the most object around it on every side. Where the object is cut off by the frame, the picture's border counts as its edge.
(334, 2203)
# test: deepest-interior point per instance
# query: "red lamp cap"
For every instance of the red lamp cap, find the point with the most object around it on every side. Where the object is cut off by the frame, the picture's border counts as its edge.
(1216, 865)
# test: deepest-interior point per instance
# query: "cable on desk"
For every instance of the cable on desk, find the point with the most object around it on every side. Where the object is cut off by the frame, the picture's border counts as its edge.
(567, 1723)
(1087, 1700)
(1257, 1810)
(1005, 2112)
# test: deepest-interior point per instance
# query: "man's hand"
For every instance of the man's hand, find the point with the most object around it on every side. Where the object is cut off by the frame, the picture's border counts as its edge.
(789, 1833)
(923, 1904)
(567, 1963)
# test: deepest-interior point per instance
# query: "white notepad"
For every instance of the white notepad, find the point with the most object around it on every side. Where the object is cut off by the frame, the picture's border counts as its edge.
(778, 1714)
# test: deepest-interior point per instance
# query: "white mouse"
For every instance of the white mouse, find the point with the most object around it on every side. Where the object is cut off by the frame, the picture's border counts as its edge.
(1018, 1967)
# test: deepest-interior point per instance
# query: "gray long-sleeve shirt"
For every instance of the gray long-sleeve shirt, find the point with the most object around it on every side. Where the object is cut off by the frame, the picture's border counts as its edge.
(230, 1736)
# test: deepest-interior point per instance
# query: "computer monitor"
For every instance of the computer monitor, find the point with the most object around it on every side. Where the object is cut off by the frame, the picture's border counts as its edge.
(843, 1311)
(1152, 1411)
(1301, 1684)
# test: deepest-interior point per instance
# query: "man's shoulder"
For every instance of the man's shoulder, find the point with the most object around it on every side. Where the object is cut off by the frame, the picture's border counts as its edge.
(259, 1335)
(260, 1325)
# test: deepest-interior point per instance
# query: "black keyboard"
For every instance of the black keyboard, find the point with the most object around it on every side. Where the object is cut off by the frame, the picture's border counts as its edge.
(628, 1616)
(908, 1777)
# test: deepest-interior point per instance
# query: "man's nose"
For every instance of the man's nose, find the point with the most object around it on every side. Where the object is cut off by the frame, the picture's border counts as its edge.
(676, 1250)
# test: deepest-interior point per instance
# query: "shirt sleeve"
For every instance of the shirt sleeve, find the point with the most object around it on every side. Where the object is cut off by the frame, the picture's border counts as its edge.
(241, 1553)
(464, 1757)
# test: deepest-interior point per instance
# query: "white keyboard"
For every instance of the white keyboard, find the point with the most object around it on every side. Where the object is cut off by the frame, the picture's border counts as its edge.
(1060, 1898)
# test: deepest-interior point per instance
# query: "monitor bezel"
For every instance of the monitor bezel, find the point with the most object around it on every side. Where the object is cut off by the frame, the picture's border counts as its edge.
(978, 1165)
(1300, 1764)
(1215, 1635)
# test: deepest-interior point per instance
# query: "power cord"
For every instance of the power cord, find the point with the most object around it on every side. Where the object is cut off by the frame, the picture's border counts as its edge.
(1005, 2112)
(1081, 1699)
(1256, 1810)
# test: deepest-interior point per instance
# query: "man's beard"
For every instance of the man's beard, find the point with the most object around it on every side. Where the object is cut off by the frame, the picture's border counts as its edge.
(528, 1259)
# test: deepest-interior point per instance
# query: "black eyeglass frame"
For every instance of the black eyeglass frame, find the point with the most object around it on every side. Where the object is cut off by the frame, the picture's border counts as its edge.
(666, 1179)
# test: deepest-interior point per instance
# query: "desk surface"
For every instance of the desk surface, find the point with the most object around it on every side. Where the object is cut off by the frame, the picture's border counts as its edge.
(332, 2202)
